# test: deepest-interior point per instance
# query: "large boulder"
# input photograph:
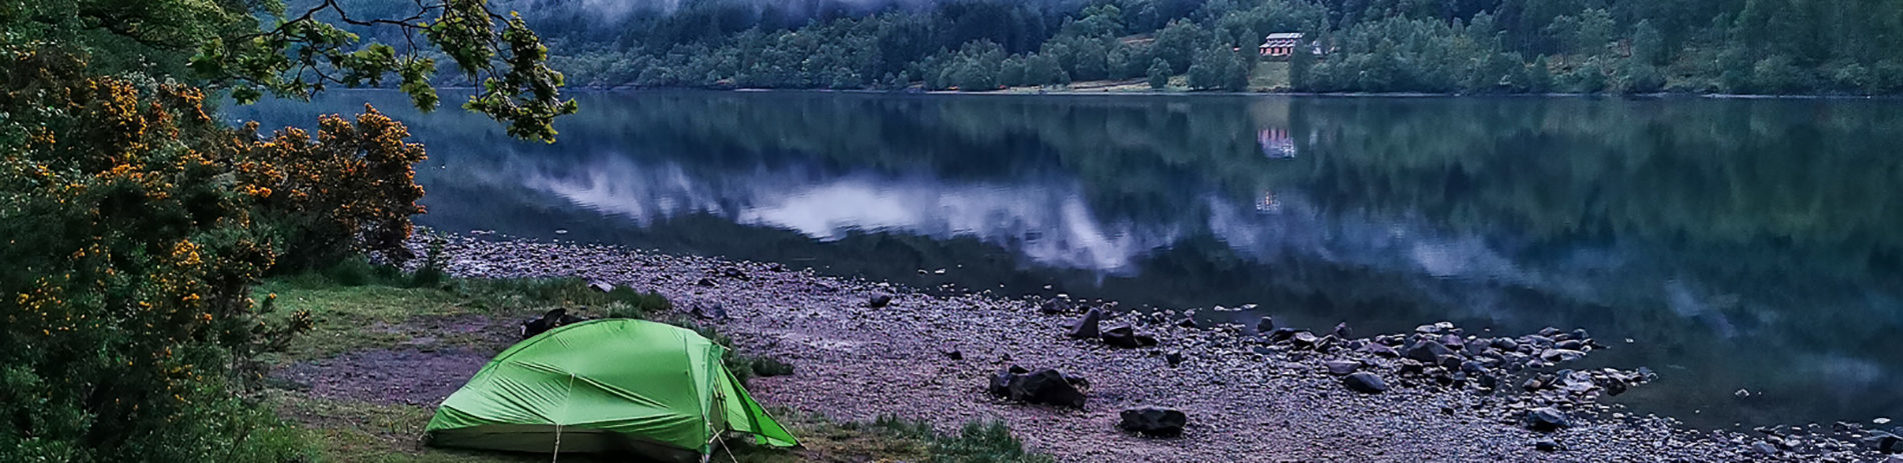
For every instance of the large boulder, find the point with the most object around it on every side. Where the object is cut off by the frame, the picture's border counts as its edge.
(1086, 327)
(1047, 386)
(878, 301)
(1151, 421)
(1365, 382)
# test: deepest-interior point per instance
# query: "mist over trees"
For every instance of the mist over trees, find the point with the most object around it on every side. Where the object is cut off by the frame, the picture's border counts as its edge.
(1465, 46)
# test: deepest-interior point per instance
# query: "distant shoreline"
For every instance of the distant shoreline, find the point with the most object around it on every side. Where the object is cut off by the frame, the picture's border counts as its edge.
(1071, 92)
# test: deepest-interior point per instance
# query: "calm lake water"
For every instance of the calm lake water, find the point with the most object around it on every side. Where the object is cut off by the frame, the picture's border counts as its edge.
(1741, 244)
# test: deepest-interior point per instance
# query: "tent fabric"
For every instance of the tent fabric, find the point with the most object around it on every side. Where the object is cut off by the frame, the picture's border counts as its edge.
(605, 386)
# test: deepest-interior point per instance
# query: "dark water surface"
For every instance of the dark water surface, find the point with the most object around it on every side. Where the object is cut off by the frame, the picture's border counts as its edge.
(1745, 244)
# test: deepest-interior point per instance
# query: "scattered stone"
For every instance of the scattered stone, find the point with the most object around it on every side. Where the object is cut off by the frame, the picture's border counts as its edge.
(1881, 420)
(1380, 350)
(1741, 394)
(1548, 445)
(1365, 382)
(1151, 421)
(879, 300)
(1561, 355)
(602, 287)
(707, 282)
(1047, 387)
(1764, 448)
(1304, 340)
(549, 320)
(1341, 367)
(1885, 442)
(1547, 419)
(954, 354)
(1086, 328)
(1342, 331)
(1266, 324)
(1187, 323)
(1427, 351)
(1282, 334)
(735, 273)
(1174, 358)
(1056, 305)
(1126, 336)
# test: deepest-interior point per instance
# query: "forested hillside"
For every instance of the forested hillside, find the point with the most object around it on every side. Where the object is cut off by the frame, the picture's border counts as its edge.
(1468, 46)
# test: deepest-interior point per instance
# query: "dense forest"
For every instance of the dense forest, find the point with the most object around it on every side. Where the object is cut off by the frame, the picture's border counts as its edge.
(1464, 46)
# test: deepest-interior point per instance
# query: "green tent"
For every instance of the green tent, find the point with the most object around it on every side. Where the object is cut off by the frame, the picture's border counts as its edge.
(605, 386)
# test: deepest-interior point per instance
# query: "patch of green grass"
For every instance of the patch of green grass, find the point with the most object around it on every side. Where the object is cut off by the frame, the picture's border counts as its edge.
(370, 307)
(1269, 75)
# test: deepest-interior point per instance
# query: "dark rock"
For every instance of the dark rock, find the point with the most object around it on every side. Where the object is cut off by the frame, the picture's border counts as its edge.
(1365, 383)
(1506, 344)
(735, 273)
(1186, 323)
(1452, 341)
(1764, 448)
(1547, 419)
(1151, 421)
(1266, 324)
(1894, 459)
(1046, 386)
(1380, 350)
(1549, 331)
(1086, 327)
(1561, 355)
(1341, 367)
(1472, 367)
(1570, 344)
(1614, 385)
(1303, 340)
(709, 309)
(707, 282)
(1884, 442)
(1342, 331)
(954, 354)
(878, 301)
(1410, 366)
(1548, 445)
(1450, 362)
(1056, 305)
(1174, 358)
(1282, 334)
(549, 320)
(776, 268)
(1126, 336)
(1426, 351)
(1539, 382)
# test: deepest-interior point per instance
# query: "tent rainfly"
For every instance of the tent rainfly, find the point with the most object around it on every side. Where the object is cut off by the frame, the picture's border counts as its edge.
(605, 386)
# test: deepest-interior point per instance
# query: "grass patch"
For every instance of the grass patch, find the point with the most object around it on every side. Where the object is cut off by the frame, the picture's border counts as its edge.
(1269, 75)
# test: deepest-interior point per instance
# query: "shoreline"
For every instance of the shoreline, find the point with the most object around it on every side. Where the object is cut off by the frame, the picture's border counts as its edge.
(1194, 93)
(1244, 395)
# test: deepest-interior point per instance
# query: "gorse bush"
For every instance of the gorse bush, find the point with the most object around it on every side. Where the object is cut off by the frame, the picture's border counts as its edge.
(134, 226)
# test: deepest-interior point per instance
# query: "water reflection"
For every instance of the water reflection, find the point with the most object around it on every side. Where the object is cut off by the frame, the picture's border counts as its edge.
(1740, 244)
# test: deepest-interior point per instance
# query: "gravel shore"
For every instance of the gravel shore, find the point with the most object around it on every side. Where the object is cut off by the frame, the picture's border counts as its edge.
(1247, 398)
